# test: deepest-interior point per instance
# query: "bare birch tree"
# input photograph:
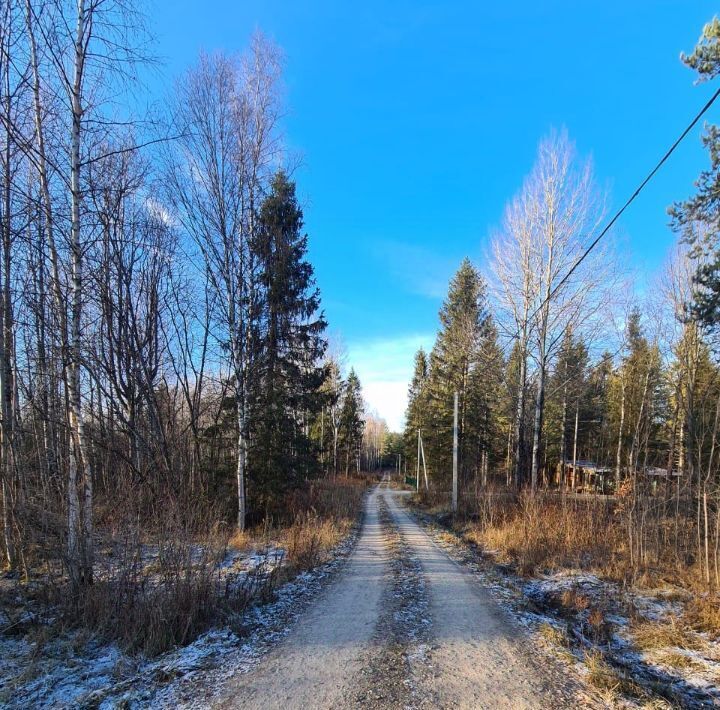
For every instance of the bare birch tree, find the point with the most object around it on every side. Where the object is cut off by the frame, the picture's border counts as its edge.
(226, 111)
(546, 230)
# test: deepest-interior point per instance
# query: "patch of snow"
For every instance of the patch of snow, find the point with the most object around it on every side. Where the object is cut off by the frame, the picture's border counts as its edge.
(72, 670)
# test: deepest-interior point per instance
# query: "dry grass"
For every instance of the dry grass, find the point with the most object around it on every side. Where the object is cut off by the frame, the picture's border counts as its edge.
(681, 661)
(557, 641)
(553, 636)
(549, 532)
(243, 540)
(702, 613)
(608, 680)
(535, 532)
(447, 538)
(323, 518)
(309, 540)
(574, 599)
(651, 635)
(153, 606)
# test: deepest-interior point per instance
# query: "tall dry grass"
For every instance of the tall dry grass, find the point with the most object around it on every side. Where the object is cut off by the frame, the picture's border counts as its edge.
(323, 515)
(160, 583)
(644, 541)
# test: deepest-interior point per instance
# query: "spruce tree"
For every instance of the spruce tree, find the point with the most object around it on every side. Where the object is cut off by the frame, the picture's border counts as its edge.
(598, 441)
(417, 411)
(464, 321)
(485, 424)
(351, 422)
(635, 391)
(290, 344)
(697, 219)
(567, 402)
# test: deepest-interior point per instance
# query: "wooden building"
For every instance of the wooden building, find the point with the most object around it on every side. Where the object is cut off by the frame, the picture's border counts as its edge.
(584, 476)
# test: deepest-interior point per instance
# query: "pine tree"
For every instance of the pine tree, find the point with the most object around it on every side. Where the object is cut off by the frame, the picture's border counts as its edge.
(290, 345)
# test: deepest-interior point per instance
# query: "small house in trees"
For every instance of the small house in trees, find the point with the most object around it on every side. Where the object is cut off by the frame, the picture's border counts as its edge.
(586, 477)
(656, 476)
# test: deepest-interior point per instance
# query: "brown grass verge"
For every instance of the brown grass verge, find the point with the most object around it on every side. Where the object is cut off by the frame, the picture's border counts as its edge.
(608, 680)
(651, 635)
(160, 588)
(549, 532)
(702, 613)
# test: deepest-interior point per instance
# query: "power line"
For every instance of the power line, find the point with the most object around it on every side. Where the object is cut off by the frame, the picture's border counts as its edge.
(632, 197)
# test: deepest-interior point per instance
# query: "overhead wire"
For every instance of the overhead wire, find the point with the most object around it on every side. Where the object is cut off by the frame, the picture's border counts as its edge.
(628, 202)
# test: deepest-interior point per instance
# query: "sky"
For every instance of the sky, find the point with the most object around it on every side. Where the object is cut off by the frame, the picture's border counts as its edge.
(416, 122)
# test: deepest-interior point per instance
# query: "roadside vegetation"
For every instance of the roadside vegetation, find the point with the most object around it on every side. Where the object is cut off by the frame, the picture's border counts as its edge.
(588, 424)
(177, 437)
(562, 568)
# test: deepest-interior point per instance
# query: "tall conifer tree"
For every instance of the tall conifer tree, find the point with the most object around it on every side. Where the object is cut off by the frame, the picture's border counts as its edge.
(351, 422)
(417, 409)
(290, 345)
(464, 322)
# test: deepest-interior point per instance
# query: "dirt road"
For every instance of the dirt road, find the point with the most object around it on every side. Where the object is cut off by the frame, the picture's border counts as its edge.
(402, 626)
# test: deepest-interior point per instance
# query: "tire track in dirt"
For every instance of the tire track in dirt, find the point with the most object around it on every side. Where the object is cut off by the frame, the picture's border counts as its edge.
(478, 658)
(403, 626)
(390, 675)
(317, 665)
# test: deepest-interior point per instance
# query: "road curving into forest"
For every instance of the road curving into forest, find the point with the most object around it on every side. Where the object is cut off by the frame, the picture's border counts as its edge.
(403, 626)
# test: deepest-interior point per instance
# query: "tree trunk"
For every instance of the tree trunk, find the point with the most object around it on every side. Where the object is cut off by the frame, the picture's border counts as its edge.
(618, 457)
(563, 453)
(575, 442)
(519, 447)
(80, 520)
(537, 428)
(7, 473)
(242, 454)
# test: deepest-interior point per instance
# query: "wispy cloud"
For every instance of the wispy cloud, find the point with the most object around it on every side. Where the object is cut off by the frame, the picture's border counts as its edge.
(385, 366)
(418, 269)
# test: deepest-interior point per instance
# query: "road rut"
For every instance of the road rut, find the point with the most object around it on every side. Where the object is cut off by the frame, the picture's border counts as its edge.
(317, 664)
(477, 658)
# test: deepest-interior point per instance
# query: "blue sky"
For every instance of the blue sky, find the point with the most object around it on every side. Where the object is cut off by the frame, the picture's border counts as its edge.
(417, 121)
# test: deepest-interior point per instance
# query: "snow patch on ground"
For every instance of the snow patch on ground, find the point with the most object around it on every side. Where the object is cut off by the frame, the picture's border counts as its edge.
(76, 670)
(603, 618)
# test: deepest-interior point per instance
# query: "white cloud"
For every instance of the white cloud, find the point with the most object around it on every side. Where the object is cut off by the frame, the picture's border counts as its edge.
(385, 366)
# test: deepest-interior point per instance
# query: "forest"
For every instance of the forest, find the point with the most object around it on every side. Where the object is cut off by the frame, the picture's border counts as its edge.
(187, 458)
(165, 373)
(576, 391)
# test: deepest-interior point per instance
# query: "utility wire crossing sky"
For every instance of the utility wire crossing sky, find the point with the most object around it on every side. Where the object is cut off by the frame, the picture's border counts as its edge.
(415, 122)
